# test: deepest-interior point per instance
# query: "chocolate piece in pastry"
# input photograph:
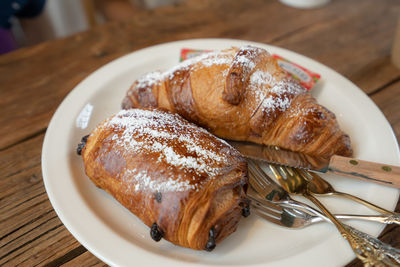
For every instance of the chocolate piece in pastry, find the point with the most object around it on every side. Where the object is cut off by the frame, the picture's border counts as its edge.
(242, 94)
(180, 180)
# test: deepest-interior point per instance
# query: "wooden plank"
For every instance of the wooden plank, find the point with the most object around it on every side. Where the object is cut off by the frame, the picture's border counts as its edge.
(29, 228)
(18, 158)
(357, 46)
(30, 231)
(47, 243)
(22, 206)
(85, 259)
(33, 81)
(20, 173)
(376, 75)
(388, 100)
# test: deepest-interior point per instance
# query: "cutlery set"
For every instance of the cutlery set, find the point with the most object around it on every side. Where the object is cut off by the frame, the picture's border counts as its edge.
(272, 201)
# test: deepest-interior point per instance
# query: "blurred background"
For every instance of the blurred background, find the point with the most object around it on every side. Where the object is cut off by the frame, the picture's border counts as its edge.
(28, 22)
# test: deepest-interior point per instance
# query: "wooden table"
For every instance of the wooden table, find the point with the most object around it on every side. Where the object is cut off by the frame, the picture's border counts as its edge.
(352, 37)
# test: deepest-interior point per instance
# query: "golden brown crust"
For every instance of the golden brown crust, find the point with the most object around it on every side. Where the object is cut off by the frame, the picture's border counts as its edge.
(240, 72)
(170, 172)
(242, 94)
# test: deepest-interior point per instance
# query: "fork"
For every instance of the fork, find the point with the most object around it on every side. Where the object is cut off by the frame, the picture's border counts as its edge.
(369, 250)
(283, 216)
(299, 217)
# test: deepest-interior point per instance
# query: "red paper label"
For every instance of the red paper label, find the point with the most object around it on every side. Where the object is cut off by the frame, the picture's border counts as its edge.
(189, 53)
(306, 77)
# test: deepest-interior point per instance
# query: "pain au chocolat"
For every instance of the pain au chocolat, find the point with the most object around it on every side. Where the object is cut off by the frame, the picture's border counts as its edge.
(242, 94)
(184, 183)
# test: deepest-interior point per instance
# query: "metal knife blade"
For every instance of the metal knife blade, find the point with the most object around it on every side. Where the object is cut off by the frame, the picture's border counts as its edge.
(276, 155)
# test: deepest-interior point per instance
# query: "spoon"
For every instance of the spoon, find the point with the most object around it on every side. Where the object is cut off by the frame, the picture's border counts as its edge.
(319, 186)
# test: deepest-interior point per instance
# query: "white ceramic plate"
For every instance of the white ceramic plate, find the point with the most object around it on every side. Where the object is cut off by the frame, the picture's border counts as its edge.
(118, 238)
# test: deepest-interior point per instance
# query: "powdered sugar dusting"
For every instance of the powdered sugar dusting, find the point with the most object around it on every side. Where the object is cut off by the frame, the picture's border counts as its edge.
(245, 60)
(276, 103)
(280, 96)
(216, 59)
(171, 140)
(272, 94)
(207, 60)
(259, 83)
(149, 79)
(143, 181)
(259, 78)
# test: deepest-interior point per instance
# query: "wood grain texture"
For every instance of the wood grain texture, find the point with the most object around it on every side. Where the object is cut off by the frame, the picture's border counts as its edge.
(85, 259)
(351, 36)
(388, 101)
(357, 44)
(367, 171)
(30, 231)
(36, 235)
(38, 78)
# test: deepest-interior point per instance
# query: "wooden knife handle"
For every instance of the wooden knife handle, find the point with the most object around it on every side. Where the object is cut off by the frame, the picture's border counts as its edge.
(365, 170)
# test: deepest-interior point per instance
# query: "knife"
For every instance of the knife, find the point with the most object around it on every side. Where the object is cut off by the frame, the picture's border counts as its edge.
(384, 174)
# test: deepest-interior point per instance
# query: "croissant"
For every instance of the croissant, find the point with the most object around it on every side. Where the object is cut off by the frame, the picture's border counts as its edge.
(242, 94)
(180, 180)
